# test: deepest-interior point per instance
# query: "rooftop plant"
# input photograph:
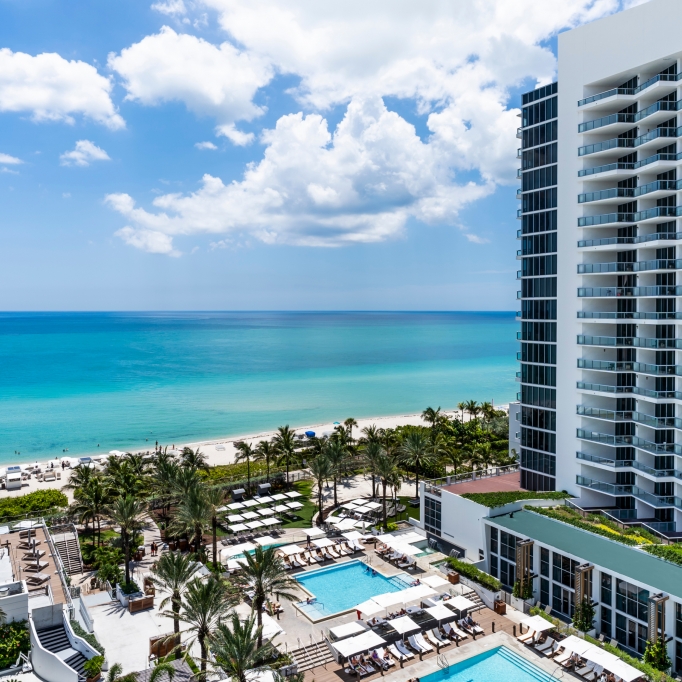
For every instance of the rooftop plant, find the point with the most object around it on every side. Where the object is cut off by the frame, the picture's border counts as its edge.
(472, 573)
(501, 498)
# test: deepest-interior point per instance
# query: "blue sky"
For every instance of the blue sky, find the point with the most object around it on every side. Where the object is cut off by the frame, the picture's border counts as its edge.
(353, 157)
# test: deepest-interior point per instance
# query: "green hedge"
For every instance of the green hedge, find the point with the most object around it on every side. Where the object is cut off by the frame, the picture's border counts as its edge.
(472, 573)
(670, 553)
(87, 636)
(499, 499)
(38, 501)
(578, 523)
(14, 639)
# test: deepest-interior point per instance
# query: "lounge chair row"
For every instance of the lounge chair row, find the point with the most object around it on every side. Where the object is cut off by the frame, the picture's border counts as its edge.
(319, 555)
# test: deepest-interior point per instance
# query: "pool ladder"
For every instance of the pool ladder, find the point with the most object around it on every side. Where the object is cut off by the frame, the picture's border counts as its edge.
(442, 662)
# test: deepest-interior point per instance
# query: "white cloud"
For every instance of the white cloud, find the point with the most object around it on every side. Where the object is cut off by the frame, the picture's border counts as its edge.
(148, 240)
(219, 81)
(66, 195)
(170, 7)
(83, 154)
(51, 88)
(205, 145)
(475, 239)
(9, 160)
(360, 184)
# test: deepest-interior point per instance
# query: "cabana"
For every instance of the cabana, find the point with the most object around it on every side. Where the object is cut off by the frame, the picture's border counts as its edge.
(252, 503)
(238, 528)
(291, 549)
(294, 505)
(440, 612)
(537, 624)
(403, 625)
(314, 532)
(346, 630)
(434, 581)
(265, 540)
(252, 525)
(279, 496)
(356, 645)
(293, 494)
(460, 603)
(235, 518)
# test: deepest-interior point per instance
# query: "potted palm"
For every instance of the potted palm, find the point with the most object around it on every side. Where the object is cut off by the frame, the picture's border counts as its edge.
(93, 668)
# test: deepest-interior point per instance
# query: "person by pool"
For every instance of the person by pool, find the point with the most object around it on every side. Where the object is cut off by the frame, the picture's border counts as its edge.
(416, 582)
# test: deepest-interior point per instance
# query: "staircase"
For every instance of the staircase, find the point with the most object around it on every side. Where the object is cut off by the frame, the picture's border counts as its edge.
(56, 641)
(311, 656)
(474, 597)
(66, 544)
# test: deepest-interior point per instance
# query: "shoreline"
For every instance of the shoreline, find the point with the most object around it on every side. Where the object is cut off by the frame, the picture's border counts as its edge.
(225, 455)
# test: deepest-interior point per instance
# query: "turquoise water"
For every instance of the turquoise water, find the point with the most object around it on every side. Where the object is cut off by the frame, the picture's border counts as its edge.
(124, 380)
(343, 587)
(497, 665)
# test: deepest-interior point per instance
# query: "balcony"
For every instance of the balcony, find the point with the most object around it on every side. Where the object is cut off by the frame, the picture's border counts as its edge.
(614, 92)
(638, 367)
(604, 121)
(519, 173)
(656, 213)
(655, 108)
(626, 416)
(593, 315)
(606, 146)
(628, 390)
(641, 266)
(628, 464)
(629, 166)
(657, 186)
(605, 194)
(608, 219)
(609, 241)
(628, 292)
(628, 342)
(634, 441)
(656, 135)
(519, 194)
(633, 490)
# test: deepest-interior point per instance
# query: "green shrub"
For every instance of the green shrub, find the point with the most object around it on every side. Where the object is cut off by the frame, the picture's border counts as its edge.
(93, 666)
(579, 523)
(472, 573)
(671, 553)
(14, 639)
(130, 588)
(499, 499)
(656, 655)
(391, 526)
(37, 501)
(583, 616)
(527, 592)
(87, 636)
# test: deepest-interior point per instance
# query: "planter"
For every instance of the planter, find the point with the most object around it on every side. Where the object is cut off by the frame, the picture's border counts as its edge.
(521, 604)
(500, 608)
(124, 599)
(453, 578)
(140, 604)
(94, 679)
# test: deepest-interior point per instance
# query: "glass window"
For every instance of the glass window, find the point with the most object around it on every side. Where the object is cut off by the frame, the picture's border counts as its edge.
(544, 591)
(631, 634)
(606, 622)
(432, 515)
(562, 600)
(632, 600)
(678, 657)
(544, 563)
(493, 566)
(606, 589)
(508, 546)
(493, 540)
(678, 620)
(563, 570)
(507, 573)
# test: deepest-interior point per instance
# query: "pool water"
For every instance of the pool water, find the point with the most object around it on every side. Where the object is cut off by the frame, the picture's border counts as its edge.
(497, 665)
(343, 586)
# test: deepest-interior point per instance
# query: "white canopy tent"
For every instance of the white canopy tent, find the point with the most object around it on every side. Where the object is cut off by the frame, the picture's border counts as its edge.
(323, 542)
(347, 524)
(238, 528)
(355, 645)
(291, 549)
(281, 508)
(434, 581)
(369, 607)
(353, 535)
(236, 505)
(315, 532)
(279, 496)
(440, 612)
(265, 499)
(294, 505)
(266, 512)
(460, 603)
(403, 625)
(251, 503)
(373, 505)
(265, 540)
(252, 525)
(293, 494)
(235, 518)
(538, 624)
(251, 515)
(270, 521)
(346, 630)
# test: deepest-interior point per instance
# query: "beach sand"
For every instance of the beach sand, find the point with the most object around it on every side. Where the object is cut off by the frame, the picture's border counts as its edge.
(222, 450)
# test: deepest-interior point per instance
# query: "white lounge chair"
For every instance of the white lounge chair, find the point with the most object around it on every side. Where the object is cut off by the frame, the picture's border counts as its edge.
(586, 669)
(403, 649)
(545, 645)
(563, 656)
(438, 637)
(332, 553)
(453, 631)
(430, 637)
(396, 654)
(418, 642)
(552, 650)
(526, 636)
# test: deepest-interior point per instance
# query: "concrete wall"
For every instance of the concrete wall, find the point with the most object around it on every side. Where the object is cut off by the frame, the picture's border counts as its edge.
(515, 428)
(45, 664)
(15, 606)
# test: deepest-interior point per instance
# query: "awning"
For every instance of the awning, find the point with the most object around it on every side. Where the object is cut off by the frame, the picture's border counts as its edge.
(281, 508)
(346, 630)
(363, 510)
(355, 645)
(294, 505)
(369, 607)
(250, 515)
(265, 499)
(349, 505)
(373, 505)
(538, 624)
(236, 505)
(291, 549)
(347, 524)
(404, 624)
(251, 503)
(353, 535)
(323, 542)
(271, 522)
(434, 581)
(238, 528)
(403, 596)
(440, 612)
(252, 525)
(235, 518)
(266, 512)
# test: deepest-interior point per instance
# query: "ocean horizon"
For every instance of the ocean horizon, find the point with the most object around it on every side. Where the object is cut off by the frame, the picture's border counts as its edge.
(123, 380)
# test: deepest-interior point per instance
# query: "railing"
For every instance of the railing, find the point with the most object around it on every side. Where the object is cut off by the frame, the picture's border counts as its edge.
(627, 416)
(592, 315)
(640, 266)
(634, 441)
(433, 485)
(628, 341)
(622, 292)
(85, 615)
(630, 91)
(60, 570)
(606, 145)
(630, 165)
(639, 367)
(656, 134)
(605, 121)
(652, 237)
(606, 219)
(633, 490)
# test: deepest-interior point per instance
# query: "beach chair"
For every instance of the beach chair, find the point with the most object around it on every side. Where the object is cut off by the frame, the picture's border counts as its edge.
(378, 660)
(343, 548)
(415, 645)
(37, 579)
(550, 651)
(404, 563)
(585, 669)
(527, 636)
(332, 553)
(301, 559)
(453, 632)
(400, 646)
(435, 632)
(382, 653)
(396, 654)
(312, 558)
(547, 644)
(436, 641)
(419, 638)
(562, 657)
(594, 674)
(35, 568)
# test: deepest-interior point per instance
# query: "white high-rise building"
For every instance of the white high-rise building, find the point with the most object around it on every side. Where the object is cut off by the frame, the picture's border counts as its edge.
(601, 255)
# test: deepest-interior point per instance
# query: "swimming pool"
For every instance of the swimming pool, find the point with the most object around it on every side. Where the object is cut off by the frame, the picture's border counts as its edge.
(343, 586)
(497, 665)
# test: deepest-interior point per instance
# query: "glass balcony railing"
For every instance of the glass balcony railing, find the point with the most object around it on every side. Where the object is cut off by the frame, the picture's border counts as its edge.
(629, 166)
(606, 145)
(628, 464)
(605, 121)
(613, 193)
(653, 237)
(660, 77)
(634, 441)
(656, 134)
(605, 461)
(657, 157)
(641, 266)
(608, 218)
(638, 367)
(656, 107)
(594, 315)
(628, 342)
(657, 212)
(628, 292)
(632, 390)
(603, 95)
(519, 173)
(658, 186)
(626, 416)
(635, 491)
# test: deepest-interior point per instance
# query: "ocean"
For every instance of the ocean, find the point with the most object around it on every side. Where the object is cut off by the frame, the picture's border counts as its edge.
(77, 381)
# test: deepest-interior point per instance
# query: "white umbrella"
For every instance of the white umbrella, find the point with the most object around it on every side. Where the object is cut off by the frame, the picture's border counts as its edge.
(434, 581)
(279, 496)
(373, 505)
(314, 532)
(363, 510)
(265, 540)
(369, 607)
(266, 499)
(323, 542)
(404, 624)
(291, 549)
(439, 612)
(250, 515)
(349, 505)
(293, 494)
(252, 525)
(270, 522)
(346, 630)
(235, 518)
(461, 603)
(404, 596)
(238, 528)
(251, 503)
(354, 645)
(352, 535)
(236, 505)
(281, 508)
(346, 524)
(266, 512)
(538, 624)
(295, 505)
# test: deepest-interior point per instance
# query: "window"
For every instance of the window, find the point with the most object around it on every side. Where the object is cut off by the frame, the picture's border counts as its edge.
(630, 634)
(544, 564)
(606, 622)
(508, 546)
(493, 540)
(494, 570)
(632, 600)
(606, 589)
(507, 573)
(678, 657)
(563, 570)
(544, 591)
(562, 600)
(432, 515)
(678, 620)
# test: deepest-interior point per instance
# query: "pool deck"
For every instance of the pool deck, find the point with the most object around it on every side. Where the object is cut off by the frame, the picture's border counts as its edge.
(416, 668)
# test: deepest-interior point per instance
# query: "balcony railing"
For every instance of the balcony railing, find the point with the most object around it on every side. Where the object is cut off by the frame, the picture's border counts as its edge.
(654, 108)
(635, 491)
(640, 266)
(631, 390)
(627, 416)
(634, 441)
(433, 486)
(629, 341)
(629, 91)
(606, 219)
(652, 237)
(606, 145)
(613, 193)
(629, 166)
(628, 292)
(605, 461)
(637, 367)
(656, 134)
(594, 315)
(605, 121)
(657, 212)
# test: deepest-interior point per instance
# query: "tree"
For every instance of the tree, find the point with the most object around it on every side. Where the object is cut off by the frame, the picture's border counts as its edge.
(114, 674)
(193, 459)
(285, 446)
(80, 476)
(193, 515)
(215, 497)
(461, 407)
(471, 406)
(90, 505)
(583, 615)
(164, 479)
(371, 452)
(487, 410)
(127, 512)
(321, 471)
(349, 424)
(434, 418)
(485, 455)
(245, 453)
(454, 456)
(265, 574)
(415, 451)
(235, 646)
(173, 572)
(265, 452)
(186, 480)
(204, 605)
(388, 473)
(656, 654)
(336, 454)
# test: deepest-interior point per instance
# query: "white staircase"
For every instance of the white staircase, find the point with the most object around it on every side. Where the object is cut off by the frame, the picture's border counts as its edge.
(67, 545)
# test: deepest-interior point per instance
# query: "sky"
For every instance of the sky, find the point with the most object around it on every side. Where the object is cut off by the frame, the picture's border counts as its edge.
(267, 155)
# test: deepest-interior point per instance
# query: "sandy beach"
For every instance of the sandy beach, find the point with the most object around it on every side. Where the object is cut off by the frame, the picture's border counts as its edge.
(222, 450)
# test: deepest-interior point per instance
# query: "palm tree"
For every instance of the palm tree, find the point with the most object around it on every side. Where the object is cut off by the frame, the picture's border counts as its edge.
(89, 505)
(205, 604)
(371, 434)
(387, 471)
(265, 452)
(266, 574)
(370, 454)
(173, 572)
(285, 446)
(416, 451)
(163, 479)
(245, 453)
(487, 410)
(432, 417)
(349, 424)
(485, 455)
(454, 455)
(235, 646)
(321, 471)
(336, 454)
(471, 406)
(215, 497)
(127, 512)
(193, 515)
(461, 407)
(186, 480)
(158, 670)
(193, 459)
(80, 476)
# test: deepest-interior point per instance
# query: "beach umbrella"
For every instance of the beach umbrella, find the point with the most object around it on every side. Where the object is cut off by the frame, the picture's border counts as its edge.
(439, 612)
(235, 518)
(403, 625)
(279, 496)
(434, 581)
(293, 494)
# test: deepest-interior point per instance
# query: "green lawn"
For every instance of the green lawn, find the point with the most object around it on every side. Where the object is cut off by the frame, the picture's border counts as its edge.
(304, 516)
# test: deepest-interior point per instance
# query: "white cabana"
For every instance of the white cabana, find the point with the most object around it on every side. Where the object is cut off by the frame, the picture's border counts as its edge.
(347, 524)
(281, 508)
(460, 603)
(291, 549)
(314, 532)
(295, 505)
(597, 655)
(369, 607)
(538, 624)
(334, 520)
(293, 494)
(252, 525)
(235, 518)
(346, 630)
(353, 535)
(363, 510)
(408, 550)
(323, 542)
(355, 645)
(373, 505)
(238, 528)
(266, 512)
(271, 522)
(251, 515)
(236, 505)
(349, 505)
(440, 612)
(234, 550)
(252, 503)
(434, 581)
(403, 596)
(279, 496)
(265, 499)
(265, 540)
(404, 624)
